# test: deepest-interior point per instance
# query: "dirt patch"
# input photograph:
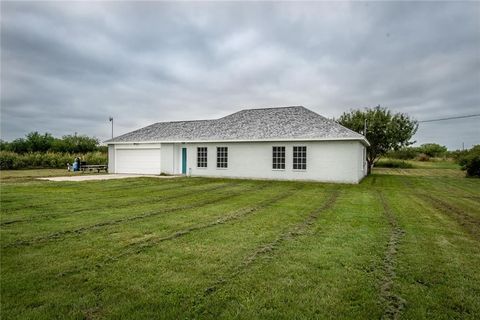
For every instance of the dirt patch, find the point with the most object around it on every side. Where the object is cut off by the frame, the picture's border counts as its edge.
(394, 304)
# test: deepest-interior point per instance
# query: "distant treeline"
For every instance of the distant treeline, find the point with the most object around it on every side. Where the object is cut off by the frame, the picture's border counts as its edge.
(45, 151)
(36, 142)
(424, 152)
(468, 159)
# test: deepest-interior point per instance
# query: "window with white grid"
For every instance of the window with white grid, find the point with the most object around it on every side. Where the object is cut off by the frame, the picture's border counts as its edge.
(278, 158)
(222, 157)
(202, 157)
(300, 158)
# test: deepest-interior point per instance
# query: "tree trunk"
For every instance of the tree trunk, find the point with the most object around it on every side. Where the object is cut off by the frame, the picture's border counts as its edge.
(369, 167)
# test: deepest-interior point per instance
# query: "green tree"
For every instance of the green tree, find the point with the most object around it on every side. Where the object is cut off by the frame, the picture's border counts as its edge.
(385, 131)
(19, 146)
(75, 144)
(37, 142)
(4, 145)
(433, 149)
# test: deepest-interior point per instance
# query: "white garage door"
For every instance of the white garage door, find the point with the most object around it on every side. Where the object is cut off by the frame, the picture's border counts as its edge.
(146, 161)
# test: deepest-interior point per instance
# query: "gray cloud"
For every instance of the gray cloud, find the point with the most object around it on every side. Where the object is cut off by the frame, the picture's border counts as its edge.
(67, 67)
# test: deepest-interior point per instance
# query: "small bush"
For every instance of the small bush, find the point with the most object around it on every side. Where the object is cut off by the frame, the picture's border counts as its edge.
(470, 162)
(422, 157)
(7, 160)
(393, 164)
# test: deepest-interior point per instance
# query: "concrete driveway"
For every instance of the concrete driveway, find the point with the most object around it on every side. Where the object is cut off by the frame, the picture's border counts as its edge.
(81, 177)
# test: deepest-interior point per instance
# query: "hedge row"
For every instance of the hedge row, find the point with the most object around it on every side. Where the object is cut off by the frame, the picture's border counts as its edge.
(11, 160)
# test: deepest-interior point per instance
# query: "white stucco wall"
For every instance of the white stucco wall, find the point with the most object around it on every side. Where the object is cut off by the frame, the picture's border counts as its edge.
(171, 158)
(111, 158)
(332, 161)
(362, 164)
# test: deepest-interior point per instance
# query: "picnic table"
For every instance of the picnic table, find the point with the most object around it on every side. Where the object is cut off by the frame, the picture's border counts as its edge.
(92, 167)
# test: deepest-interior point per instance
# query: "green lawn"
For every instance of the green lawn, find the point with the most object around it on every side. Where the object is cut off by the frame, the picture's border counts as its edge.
(405, 243)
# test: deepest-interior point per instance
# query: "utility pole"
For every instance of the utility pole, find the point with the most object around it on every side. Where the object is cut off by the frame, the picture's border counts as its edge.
(111, 120)
(365, 128)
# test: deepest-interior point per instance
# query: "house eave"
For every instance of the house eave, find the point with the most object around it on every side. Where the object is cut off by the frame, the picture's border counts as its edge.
(363, 140)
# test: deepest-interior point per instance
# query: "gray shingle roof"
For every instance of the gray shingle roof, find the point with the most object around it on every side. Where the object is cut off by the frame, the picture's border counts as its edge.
(284, 123)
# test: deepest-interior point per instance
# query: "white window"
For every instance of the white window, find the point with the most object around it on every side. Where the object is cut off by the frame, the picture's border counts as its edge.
(201, 157)
(222, 157)
(300, 158)
(278, 158)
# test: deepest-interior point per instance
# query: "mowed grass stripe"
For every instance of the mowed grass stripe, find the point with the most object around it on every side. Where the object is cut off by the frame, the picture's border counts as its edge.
(437, 264)
(267, 248)
(38, 189)
(448, 185)
(312, 274)
(38, 201)
(94, 215)
(224, 194)
(164, 194)
(470, 223)
(81, 281)
(62, 262)
(197, 259)
(469, 205)
(229, 217)
(97, 215)
(138, 246)
(74, 199)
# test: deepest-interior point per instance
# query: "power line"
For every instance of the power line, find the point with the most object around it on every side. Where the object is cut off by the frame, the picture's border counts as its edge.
(450, 118)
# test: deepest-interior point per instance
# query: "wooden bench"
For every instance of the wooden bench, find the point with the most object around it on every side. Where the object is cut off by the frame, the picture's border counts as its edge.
(92, 167)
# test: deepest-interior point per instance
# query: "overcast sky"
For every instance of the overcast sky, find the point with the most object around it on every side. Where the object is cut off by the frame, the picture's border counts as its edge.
(67, 67)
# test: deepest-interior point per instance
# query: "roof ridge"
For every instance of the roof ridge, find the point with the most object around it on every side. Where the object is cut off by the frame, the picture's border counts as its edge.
(177, 121)
(267, 108)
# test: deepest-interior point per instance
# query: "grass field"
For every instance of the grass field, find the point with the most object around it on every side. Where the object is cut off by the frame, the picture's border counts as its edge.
(405, 243)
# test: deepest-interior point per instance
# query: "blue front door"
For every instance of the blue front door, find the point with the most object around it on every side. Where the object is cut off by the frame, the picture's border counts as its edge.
(184, 160)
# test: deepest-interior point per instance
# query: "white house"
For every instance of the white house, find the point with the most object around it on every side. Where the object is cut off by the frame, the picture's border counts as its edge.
(290, 143)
